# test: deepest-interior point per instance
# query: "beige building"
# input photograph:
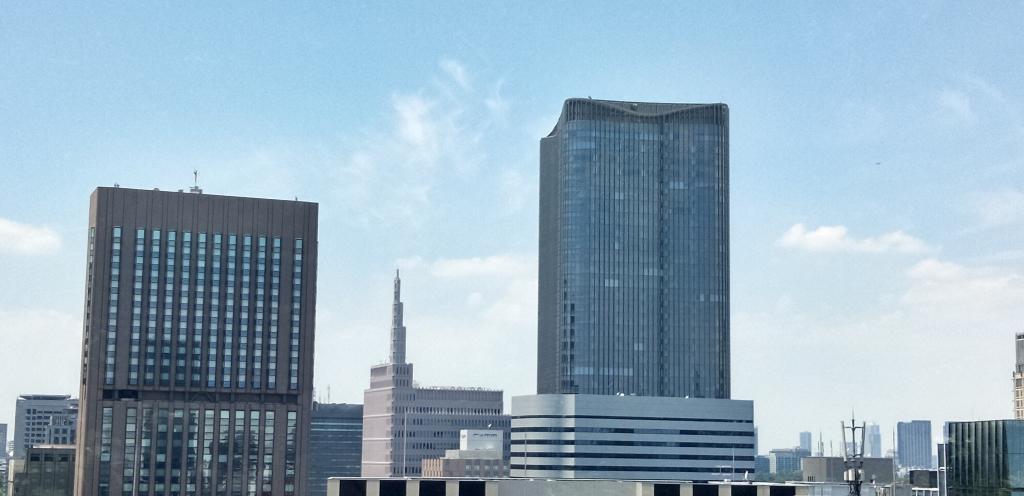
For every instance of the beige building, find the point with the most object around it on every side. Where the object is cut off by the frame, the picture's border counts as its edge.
(404, 424)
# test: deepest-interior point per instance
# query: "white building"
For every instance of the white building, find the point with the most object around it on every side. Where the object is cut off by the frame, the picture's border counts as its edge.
(631, 437)
(44, 419)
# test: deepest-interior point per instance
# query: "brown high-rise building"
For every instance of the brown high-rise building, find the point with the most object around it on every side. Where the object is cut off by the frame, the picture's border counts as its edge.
(197, 351)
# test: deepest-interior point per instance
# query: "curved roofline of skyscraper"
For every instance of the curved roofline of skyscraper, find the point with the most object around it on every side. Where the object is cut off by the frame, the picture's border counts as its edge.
(644, 110)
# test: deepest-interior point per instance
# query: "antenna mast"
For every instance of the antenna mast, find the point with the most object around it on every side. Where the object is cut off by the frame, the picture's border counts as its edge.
(853, 456)
(195, 184)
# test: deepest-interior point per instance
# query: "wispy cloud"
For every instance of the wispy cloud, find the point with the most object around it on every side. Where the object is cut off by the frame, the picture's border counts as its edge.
(837, 239)
(999, 207)
(24, 239)
(963, 293)
(432, 135)
(958, 105)
(455, 70)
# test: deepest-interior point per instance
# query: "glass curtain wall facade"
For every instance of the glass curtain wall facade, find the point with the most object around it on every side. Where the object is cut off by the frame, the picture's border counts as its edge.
(197, 351)
(335, 444)
(985, 458)
(634, 250)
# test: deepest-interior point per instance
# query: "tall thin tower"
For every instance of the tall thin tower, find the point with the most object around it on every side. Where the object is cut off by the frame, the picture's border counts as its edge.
(397, 325)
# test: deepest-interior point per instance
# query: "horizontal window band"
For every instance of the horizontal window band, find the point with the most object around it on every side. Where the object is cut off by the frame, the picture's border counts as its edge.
(636, 456)
(612, 468)
(612, 417)
(620, 430)
(592, 442)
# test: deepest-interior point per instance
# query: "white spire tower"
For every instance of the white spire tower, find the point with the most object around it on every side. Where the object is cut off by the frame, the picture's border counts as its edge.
(397, 327)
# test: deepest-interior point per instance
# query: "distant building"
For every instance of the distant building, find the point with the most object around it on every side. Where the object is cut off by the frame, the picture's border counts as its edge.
(786, 461)
(566, 436)
(44, 419)
(335, 444)
(762, 465)
(403, 423)
(985, 458)
(831, 468)
(805, 441)
(480, 454)
(633, 261)
(873, 441)
(1018, 380)
(46, 470)
(3, 455)
(914, 444)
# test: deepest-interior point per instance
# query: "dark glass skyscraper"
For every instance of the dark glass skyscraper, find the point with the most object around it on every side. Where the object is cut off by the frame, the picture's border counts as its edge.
(634, 250)
(985, 458)
(197, 351)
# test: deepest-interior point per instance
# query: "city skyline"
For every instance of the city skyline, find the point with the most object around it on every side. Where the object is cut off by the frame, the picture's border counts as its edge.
(876, 197)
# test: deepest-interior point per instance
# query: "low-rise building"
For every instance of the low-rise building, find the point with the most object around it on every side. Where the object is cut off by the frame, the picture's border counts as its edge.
(46, 470)
(831, 468)
(580, 436)
(480, 454)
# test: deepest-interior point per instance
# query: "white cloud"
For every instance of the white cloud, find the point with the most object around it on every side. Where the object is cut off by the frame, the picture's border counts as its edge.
(25, 239)
(495, 265)
(456, 71)
(999, 207)
(836, 239)
(957, 104)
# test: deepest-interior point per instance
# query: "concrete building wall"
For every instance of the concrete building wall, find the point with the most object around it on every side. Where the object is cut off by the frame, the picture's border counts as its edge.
(44, 419)
(831, 468)
(1018, 379)
(45, 471)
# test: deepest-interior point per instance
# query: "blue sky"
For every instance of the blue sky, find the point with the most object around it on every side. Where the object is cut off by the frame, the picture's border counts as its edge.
(877, 169)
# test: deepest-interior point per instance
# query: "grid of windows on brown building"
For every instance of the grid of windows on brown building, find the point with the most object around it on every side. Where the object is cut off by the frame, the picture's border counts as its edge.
(197, 352)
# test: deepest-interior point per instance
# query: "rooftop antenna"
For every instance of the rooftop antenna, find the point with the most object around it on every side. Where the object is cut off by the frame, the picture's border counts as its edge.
(853, 455)
(195, 185)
